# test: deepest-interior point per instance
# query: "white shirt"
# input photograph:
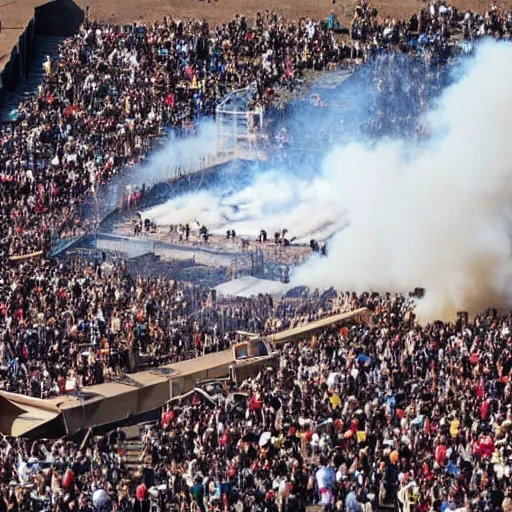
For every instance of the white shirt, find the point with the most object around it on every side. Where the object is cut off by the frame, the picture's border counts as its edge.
(325, 478)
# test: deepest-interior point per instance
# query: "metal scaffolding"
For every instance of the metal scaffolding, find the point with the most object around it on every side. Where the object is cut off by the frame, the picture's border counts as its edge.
(238, 120)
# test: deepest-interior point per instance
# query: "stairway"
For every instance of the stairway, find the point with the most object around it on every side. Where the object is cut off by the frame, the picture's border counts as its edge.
(133, 449)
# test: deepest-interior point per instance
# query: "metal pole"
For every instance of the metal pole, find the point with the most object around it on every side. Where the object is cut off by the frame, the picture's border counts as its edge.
(235, 129)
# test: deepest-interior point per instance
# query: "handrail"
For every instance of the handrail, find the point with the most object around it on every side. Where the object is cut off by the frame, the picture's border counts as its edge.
(18, 257)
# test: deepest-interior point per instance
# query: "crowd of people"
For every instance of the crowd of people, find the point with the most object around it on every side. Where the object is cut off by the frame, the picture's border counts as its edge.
(368, 414)
(354, 418)
(435, 24)
(406, 66)
(86, 320)
(112, 90)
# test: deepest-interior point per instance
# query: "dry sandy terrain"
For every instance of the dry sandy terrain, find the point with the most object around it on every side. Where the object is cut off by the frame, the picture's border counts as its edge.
(222, 10)
(15, 14)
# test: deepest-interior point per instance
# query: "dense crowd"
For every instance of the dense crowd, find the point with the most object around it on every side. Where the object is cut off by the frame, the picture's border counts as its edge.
(356, 417)
(113, 90)
(406, 66)
(435, 25)
(110, 92)
(83, 322)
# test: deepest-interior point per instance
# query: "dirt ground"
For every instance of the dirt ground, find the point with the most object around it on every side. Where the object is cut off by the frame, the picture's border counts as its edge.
(15, 14)
(221, 10)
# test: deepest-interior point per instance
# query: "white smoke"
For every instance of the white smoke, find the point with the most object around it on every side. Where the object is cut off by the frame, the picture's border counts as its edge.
(440, 220)
(177, 153)
(272, 202)
(435, 215)
(184, 152)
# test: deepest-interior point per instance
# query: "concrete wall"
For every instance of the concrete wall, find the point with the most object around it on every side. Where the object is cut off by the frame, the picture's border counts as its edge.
(18, 66)
(58, 18)
(55, 18)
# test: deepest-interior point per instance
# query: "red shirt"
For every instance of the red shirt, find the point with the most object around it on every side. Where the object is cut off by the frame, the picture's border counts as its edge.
(486, 446)
(167, 418)
(254, 404)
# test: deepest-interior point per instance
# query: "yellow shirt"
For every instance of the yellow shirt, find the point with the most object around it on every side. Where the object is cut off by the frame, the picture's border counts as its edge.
(361, 436)
(454, 428)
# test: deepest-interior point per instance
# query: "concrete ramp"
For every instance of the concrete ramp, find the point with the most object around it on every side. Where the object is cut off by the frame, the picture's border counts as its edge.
(132, 247)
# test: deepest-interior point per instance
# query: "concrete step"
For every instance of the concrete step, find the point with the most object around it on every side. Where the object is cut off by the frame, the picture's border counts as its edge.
(132, 432)
(128, 449)
(132, 452)
(132, 455)
(133, 449)
(134, 444)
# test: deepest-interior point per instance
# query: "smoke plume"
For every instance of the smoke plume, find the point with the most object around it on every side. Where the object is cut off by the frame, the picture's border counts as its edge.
(435, 214)
(161, 165)
(440, 219)
(273, 202)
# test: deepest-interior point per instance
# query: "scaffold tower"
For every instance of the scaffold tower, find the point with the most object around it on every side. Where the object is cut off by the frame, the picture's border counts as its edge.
(238, 118)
